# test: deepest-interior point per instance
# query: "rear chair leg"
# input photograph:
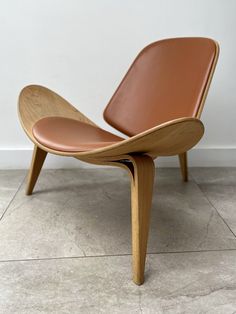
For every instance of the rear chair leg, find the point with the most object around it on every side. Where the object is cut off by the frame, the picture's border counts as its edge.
(184, 166)
(38, 158)
(142, 174)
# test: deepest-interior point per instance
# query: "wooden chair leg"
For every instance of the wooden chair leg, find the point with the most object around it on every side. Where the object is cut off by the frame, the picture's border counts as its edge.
(38, 158)
(184, 166)
(142, 171)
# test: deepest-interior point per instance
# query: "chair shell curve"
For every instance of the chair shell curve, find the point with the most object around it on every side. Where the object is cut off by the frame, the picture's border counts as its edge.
(170, 138)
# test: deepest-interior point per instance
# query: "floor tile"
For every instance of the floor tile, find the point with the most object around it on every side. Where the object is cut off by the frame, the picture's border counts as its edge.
(10, 181)
(202, 282)
(183, 219)
(87, 212)
(219, 185)
(221, 176)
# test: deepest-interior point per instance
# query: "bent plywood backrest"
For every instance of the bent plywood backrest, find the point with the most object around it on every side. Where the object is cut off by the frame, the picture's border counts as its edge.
(169, 79)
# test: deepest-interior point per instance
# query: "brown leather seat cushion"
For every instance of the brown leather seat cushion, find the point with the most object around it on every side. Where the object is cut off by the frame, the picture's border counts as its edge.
(68, 135)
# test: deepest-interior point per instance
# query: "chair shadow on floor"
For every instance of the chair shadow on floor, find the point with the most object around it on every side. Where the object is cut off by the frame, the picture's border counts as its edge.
(181, 217)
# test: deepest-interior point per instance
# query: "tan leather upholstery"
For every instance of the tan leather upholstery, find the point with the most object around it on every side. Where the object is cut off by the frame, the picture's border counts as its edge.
(64, 134)
(166, 81)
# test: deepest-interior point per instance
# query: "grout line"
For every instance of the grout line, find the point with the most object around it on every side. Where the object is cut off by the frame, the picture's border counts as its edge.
(109, 255)
(213, 206)
(23, 180)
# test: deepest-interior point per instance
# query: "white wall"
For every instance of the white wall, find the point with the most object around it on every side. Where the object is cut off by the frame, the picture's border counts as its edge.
(82, 49)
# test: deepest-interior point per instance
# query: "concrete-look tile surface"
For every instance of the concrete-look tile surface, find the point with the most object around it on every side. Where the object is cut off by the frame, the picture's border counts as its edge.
(87, 212)
(223, 176)
(10, 180)
(50, 244)
(219, 185)
(176, 283)
(183, 219)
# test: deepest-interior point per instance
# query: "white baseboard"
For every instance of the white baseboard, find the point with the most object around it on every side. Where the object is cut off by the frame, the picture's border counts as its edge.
(198, 157)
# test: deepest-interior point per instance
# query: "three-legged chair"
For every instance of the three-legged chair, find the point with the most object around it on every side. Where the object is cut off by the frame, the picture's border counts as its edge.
(158, 105)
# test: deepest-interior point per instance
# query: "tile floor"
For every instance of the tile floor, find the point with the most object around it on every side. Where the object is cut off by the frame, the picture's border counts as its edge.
(66, 248)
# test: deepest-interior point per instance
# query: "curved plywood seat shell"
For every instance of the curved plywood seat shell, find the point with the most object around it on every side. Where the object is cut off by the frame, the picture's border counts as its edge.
(157, 105)
(37, 102)
(170, 138)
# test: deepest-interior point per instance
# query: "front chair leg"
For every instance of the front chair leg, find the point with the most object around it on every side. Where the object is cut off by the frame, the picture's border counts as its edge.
(183, 160)
(38, 158)
(142, 178)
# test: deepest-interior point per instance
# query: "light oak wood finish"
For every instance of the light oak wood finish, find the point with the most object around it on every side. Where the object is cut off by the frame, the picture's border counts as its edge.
(141, 170)
(184, 166)
(37, 102)
(136, 154)
(142, 178)
(206, 90)
(38, 158)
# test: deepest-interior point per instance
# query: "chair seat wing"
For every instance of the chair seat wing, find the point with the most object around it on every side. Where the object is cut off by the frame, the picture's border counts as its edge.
(170, 138)
(167, 139)
(36, 102)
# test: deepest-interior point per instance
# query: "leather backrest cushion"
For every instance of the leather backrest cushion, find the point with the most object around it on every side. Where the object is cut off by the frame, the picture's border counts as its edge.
(166, 81)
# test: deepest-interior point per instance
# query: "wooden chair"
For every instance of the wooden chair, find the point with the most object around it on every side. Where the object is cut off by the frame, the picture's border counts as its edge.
(158, 105)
